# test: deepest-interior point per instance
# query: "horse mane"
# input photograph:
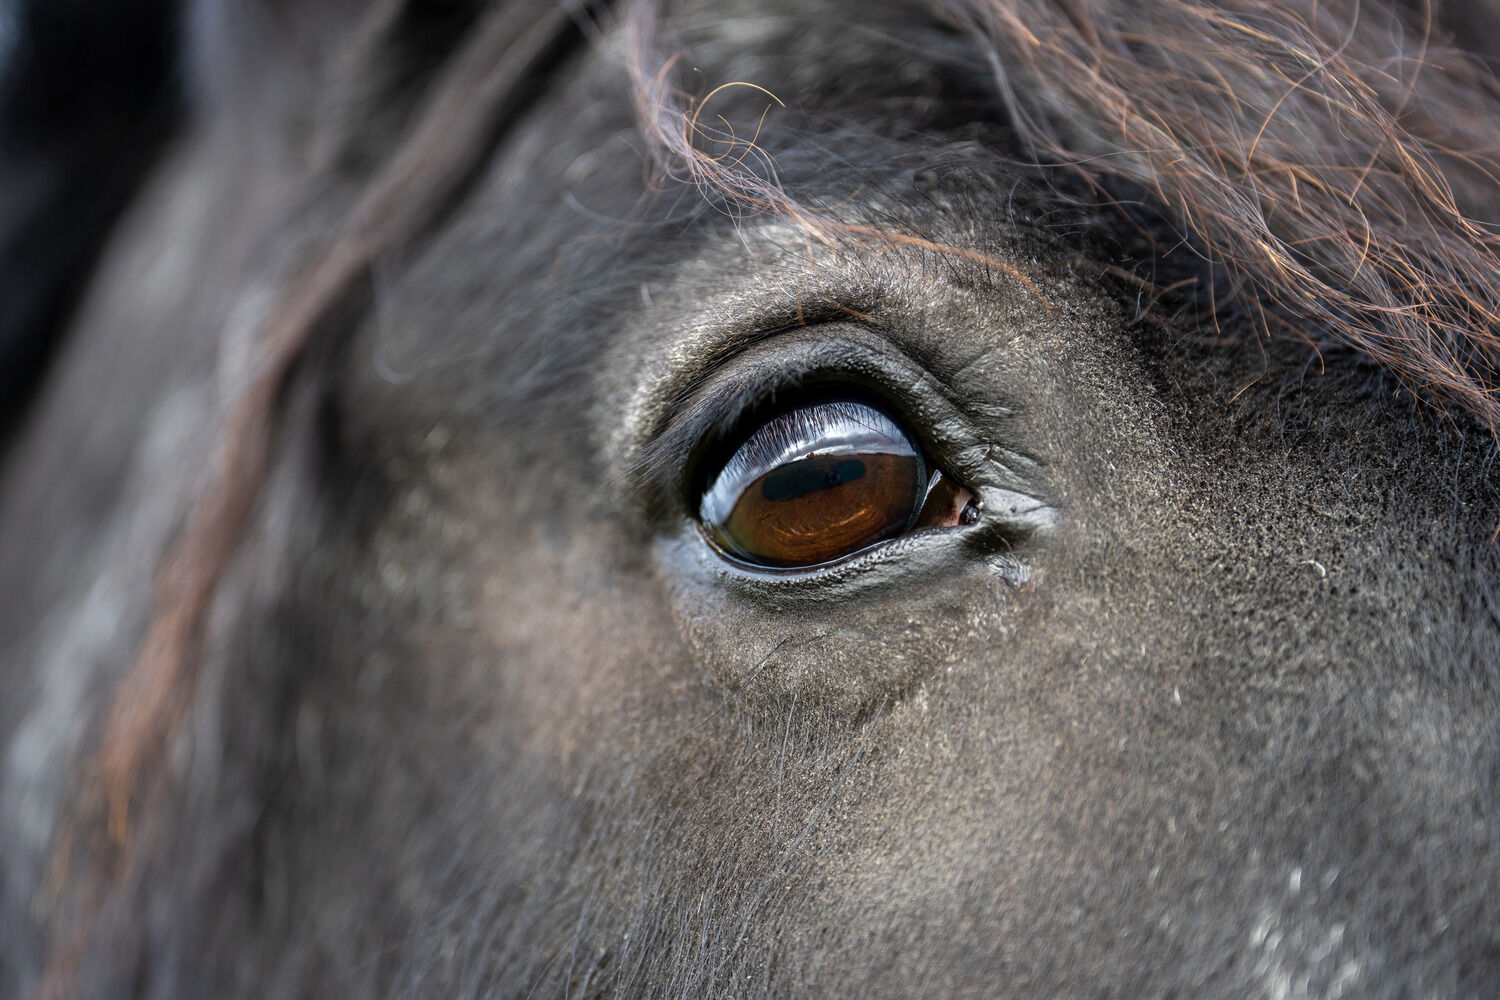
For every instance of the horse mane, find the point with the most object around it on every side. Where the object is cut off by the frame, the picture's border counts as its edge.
(1327, 166)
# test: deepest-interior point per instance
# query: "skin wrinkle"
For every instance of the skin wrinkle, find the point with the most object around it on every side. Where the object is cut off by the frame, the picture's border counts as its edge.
(497, 733)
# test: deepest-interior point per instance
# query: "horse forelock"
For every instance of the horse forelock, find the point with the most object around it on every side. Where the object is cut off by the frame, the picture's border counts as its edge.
(1329, 167)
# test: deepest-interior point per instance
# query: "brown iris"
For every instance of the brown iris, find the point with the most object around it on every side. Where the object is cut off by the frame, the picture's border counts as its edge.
(815, 484)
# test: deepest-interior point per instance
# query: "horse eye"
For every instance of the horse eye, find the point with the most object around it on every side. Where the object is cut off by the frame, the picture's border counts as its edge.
(825, 481)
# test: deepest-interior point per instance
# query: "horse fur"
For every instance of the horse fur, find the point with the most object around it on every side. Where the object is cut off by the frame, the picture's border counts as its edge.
(1237, 254)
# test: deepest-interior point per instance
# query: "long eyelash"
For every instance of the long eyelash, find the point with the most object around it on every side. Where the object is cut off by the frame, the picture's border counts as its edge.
(795, 434)
(827, 428)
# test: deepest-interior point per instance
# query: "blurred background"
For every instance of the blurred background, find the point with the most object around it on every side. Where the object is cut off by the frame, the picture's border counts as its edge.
(88, 96)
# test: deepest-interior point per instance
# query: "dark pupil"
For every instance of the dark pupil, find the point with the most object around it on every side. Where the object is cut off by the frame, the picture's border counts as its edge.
(814, 508)
(798, 479)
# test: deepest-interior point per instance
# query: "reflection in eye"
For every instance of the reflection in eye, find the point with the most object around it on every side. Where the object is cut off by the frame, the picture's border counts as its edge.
(824, 481)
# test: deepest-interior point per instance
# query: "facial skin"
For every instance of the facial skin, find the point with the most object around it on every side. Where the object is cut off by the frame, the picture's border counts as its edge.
(1201, 704)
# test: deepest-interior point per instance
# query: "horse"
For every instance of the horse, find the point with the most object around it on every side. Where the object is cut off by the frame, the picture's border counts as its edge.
(975, 498)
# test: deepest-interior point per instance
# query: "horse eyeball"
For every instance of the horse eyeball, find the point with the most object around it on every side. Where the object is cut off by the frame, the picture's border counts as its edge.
(816, 484)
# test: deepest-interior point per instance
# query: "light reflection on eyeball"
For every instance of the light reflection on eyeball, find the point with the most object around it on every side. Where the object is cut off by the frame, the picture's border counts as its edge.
(821, 482)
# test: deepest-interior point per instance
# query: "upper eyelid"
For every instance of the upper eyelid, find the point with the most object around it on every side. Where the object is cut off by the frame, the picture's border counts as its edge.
(851, 358)
(652, 422)
(668, 379)
(748, 391)
(682, 392)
